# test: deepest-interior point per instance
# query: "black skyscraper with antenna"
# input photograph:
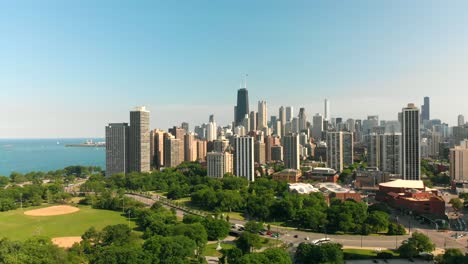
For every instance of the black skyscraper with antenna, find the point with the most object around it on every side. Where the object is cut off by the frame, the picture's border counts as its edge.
(242, 107)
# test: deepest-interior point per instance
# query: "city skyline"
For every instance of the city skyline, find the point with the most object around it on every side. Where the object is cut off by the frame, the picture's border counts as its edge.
(76, 75)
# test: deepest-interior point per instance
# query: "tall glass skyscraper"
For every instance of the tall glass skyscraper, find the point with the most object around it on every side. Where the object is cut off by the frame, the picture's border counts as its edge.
(242, 107)
(426, 109)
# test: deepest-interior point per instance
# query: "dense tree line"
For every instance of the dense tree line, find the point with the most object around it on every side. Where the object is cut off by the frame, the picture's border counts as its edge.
(452, 256)
(35, 188)
(434, 175)
(307, 253)
(264, 199)
(15, 196)
(67, 174)
(271, 255)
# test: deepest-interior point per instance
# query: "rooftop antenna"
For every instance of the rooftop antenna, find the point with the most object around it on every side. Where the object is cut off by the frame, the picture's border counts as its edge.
(240, 84)
(243, 83)
(246, 75)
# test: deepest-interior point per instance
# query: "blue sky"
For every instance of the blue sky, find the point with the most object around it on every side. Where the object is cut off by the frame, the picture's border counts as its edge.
(69, 67)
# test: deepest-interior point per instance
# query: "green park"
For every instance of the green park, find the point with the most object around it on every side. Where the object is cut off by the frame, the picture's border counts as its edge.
(15, 225)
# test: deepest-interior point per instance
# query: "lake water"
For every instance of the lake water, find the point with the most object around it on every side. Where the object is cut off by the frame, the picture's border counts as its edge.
(25, 155)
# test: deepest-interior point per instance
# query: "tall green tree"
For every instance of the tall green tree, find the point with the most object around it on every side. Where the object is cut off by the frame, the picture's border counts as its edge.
(416, 244)
(216, 228)
(248, 241)
(378, 221)
(456, 204)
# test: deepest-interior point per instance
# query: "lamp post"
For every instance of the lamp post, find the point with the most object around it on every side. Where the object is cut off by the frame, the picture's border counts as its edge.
(410, 215)
(396, 233)
(128, 212)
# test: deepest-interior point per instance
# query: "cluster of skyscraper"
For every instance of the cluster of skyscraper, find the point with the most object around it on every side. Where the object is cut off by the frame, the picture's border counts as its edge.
(128, 147)
(255, 138)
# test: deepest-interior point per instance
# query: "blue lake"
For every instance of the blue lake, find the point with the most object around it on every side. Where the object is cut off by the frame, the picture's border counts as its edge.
(25, 155)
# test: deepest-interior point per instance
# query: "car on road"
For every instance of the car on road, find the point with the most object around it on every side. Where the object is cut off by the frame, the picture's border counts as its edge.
(321, 240)
(295, 236)
(306, 238)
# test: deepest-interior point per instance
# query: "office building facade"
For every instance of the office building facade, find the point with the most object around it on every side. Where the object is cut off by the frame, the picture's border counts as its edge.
(244, 165)
(411, 140)
(117, 148)
(291, 151)
(218, 164)
(340, 150)
(139, 140)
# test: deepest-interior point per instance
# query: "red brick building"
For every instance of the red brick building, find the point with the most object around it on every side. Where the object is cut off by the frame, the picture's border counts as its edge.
(321, 175)
(411, 196)
(288, 175)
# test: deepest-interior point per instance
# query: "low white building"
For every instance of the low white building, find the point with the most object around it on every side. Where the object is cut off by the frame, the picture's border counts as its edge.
(302, 188)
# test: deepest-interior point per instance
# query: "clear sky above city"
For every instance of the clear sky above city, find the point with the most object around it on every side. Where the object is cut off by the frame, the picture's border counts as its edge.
(67, 68)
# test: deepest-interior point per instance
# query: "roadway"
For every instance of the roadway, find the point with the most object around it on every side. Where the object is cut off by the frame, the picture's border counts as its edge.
(295, 237)
(288, 235)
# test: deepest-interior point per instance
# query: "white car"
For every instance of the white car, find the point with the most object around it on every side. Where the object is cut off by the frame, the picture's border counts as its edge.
(321, 240)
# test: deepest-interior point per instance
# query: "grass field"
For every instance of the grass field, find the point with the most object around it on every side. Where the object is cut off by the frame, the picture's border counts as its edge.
(356, 253)
(17, 226)
(210, 249)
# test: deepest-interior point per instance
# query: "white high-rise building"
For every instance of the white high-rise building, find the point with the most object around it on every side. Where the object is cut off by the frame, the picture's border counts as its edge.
(461, 120)
(211, 130)
(459, 162)
(291, 151)
(340, 150)
(244, 165)
(411, 150)
(262, 115)
(289, 113)
(317, 127)
(240, 131)
(326, 113)
(218, 164)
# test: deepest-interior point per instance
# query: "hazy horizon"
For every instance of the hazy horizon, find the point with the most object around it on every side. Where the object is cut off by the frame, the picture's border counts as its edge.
(70, 68)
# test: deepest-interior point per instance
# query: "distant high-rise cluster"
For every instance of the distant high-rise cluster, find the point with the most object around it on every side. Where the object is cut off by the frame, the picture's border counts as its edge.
(255, 142)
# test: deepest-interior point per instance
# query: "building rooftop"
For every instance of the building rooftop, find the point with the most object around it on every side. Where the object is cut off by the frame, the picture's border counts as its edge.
(302, 188)
(407, 184)
(324, 170)
(332, 187)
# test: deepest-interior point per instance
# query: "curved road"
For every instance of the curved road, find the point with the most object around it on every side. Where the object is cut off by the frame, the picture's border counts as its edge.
(441, 239)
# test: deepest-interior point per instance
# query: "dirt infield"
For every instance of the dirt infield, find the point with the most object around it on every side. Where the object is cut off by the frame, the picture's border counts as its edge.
(66, 242)
(52, 210)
